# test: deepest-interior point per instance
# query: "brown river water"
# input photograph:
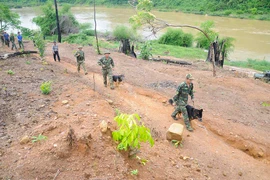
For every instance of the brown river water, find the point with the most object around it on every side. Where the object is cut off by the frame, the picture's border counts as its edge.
(252, 36)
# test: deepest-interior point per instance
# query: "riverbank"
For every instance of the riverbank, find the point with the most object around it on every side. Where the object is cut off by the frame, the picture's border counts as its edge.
(185, 53)
(233, 13)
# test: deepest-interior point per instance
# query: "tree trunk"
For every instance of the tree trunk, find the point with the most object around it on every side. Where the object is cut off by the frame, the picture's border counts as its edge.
(98, 50)
(57, 22)
(213, 59)
(125, 46)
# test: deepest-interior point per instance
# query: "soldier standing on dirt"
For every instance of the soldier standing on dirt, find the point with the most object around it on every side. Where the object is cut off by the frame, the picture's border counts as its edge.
(2, 38)
(12, 40)
(80, 60)
(55, 52)
(107, 64)
(181, 98)
(20, 40)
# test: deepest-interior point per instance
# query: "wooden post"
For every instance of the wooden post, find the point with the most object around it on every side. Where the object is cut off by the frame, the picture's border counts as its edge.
(213, 59)
(98, 50)
(57, 22)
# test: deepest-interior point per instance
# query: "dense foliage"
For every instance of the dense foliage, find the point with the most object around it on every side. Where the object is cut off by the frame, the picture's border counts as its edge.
(121, 32)
(217, 7)
(8, 18)
(47, 22)
(176, 37)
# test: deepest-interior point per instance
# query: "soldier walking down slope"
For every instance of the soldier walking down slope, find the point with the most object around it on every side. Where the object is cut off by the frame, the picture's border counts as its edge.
(55, 51)
(181, 98)
(12, 40)
(80, 60)
(107, 64)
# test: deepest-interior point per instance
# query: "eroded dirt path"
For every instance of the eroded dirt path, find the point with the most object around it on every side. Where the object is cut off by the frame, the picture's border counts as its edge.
(231, 143)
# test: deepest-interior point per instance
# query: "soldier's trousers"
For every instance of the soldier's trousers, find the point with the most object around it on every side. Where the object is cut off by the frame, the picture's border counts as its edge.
(7, 42)
(21, 44)
(13, 45)
(107, 72)
(79, 64)
(183, 110)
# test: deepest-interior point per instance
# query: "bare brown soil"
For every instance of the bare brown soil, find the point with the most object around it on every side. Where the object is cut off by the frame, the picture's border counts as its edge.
(232, 142)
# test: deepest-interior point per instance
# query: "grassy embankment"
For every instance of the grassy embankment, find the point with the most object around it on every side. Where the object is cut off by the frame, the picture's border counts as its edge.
(175, 51)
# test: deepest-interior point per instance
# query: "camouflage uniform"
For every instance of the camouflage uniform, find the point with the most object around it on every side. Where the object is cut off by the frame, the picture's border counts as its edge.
(2, 38)
(181, 99)
(80, 60)
(12, 40)
(107, 65)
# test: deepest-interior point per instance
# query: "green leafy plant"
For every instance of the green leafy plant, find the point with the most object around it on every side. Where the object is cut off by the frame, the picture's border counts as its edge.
(146, 50)
(134, 172)
(177, 143)
(265, 104)
(176, 37)
(28, 62)
(45, 87)
(142, 161)
(131, 132)
(38, 138)
(207, 27)
(10, 72)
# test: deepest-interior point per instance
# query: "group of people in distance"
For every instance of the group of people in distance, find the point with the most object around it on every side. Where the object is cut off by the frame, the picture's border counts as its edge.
(6, 39)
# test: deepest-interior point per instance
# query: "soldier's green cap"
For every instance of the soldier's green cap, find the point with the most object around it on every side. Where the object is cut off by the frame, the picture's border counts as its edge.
(80, 47)
(107, 52)
(189, 76)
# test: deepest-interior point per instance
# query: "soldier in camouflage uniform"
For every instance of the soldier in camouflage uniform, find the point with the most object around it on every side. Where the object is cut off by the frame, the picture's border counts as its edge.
(2, 38)
(12, 40)
(107, 64)
(181, 98)
(80, 60)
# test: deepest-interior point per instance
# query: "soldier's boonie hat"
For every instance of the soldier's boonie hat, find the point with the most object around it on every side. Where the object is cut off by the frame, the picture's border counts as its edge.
(189, 76)
(107, 52)
(80, 47)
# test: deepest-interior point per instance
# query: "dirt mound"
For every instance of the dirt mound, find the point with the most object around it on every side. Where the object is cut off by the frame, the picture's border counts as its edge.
(231, 143)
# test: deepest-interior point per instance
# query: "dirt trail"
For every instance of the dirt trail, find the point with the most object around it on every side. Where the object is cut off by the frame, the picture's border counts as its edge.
(231, 143)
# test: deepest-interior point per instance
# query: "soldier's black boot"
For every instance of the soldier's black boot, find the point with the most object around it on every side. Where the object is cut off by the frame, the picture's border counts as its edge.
(174, 117)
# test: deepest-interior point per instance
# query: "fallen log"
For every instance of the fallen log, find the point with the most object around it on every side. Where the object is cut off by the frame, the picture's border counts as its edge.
(7, 55)
(171, 61)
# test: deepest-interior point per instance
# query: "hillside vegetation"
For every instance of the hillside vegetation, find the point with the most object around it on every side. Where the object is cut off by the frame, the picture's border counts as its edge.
(258, 9)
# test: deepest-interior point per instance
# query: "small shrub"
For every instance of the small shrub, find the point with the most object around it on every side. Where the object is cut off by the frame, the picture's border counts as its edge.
(131, 132)
(146, 51)
(266, 104)
(80, 38)
(28, 62)
(89, 32)
(123, 32)
(134, 172)
(38, 138)
(46, 87)
(176, 37)
(10, 72)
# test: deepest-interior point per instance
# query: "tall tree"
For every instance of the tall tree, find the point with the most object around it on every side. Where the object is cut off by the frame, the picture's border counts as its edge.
(57, 22)
(8, 18)
(98, 50)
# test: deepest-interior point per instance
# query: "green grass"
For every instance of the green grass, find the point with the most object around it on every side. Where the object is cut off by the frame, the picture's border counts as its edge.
(260, 65)
(178, 52)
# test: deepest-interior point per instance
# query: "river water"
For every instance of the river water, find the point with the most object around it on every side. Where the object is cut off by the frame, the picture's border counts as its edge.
(252, 36)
